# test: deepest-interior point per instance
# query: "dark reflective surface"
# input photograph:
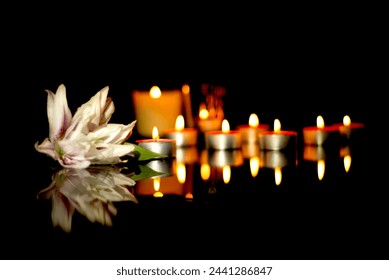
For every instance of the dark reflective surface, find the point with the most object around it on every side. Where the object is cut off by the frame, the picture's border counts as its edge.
(303, 203)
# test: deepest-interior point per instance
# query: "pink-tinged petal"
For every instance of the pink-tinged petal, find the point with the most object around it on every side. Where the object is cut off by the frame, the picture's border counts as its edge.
(62, 212)
(47, 148)
(111, 153)
(112, 133)
(73, 153)
(58, 113)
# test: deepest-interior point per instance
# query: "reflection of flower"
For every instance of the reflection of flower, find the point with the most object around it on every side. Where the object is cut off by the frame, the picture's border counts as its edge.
(85, 138)
(90, 191)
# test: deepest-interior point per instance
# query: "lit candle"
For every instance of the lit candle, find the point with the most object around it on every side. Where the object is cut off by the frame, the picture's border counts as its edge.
(183, 136)
(277, 139)
(347, 127)
(165, 147)
(156, 108)
(187, 105)
(317, 135)
(208, 121)
(224, 139)
(250, 132)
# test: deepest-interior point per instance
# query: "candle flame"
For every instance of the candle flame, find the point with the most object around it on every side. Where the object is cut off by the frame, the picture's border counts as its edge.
(225, 126)
(180, 123)
(157, 184)
(155, 92)
(277, 125)
(320, 122)
(181, 172)
(226, 174)
(185, 89)
(346, 120)
(253, 120)
(320, 168)
(278, 175)
(203, 113)
(155, 133)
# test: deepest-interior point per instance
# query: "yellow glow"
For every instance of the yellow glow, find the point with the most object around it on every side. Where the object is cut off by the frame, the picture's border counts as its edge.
(155, 92)
(180, 123)
(253, 120)
(320, 122)
(185, 89)
(205, 171)
(321, 166)
(347, 162)
(254, 166)
(225, 126)
(155, 133)
(277, 125)
(226, 174)
(278, 175)
(181, 172)
(158, 194)
(346, 121)
(189, 196)
(203, 114)
(157, 184)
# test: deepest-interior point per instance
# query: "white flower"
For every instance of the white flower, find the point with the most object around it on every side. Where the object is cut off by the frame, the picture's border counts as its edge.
(85, 138)
(90, 191)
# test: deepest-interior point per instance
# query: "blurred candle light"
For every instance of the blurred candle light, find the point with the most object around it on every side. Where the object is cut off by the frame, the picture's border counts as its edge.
(277, 139)
(226, 174)
(321, 168)
(184, 136)
(345, 153)
(278, 175)
(224, 139)
(156, 108)
(250, 132)
(347, 126)
(187, 105)
(317, 135)
(207, 120)
(158, 145)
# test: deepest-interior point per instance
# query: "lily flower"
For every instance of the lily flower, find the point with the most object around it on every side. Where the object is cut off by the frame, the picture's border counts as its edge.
(91, 192)
(86, 138)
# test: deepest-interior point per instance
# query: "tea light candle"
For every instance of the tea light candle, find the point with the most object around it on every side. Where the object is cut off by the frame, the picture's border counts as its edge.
(156, 108)
(183, 136)
(165, 147)
(277, 139)
(224, 139)
(347, 126)
(250, 132)
(207, 122)
(317, 135)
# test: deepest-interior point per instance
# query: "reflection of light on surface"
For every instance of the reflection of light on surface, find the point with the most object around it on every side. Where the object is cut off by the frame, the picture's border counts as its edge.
(278, 175)
(225, 126)
(181, 172)
(226, 174)
(321, 168)
(347, 162)
(254, 166)
(253, 120)
(155, 92)
(320, 122)
(189, 196)
(205, 171)
(155, 133)
(277, 125)
(346, 120)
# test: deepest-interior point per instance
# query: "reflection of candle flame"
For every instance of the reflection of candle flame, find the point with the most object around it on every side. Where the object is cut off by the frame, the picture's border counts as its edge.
(277, 125)
(155, 133)
(347, 162)
(254, 166)
(180, 123)
(346, 121)
(157, 184)
(205, 171)
(226, 174)
(321, 168)
(225, 126)
(181, 172)
(320, 122)
(155, 92)
(253, 120)
(278, 175)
